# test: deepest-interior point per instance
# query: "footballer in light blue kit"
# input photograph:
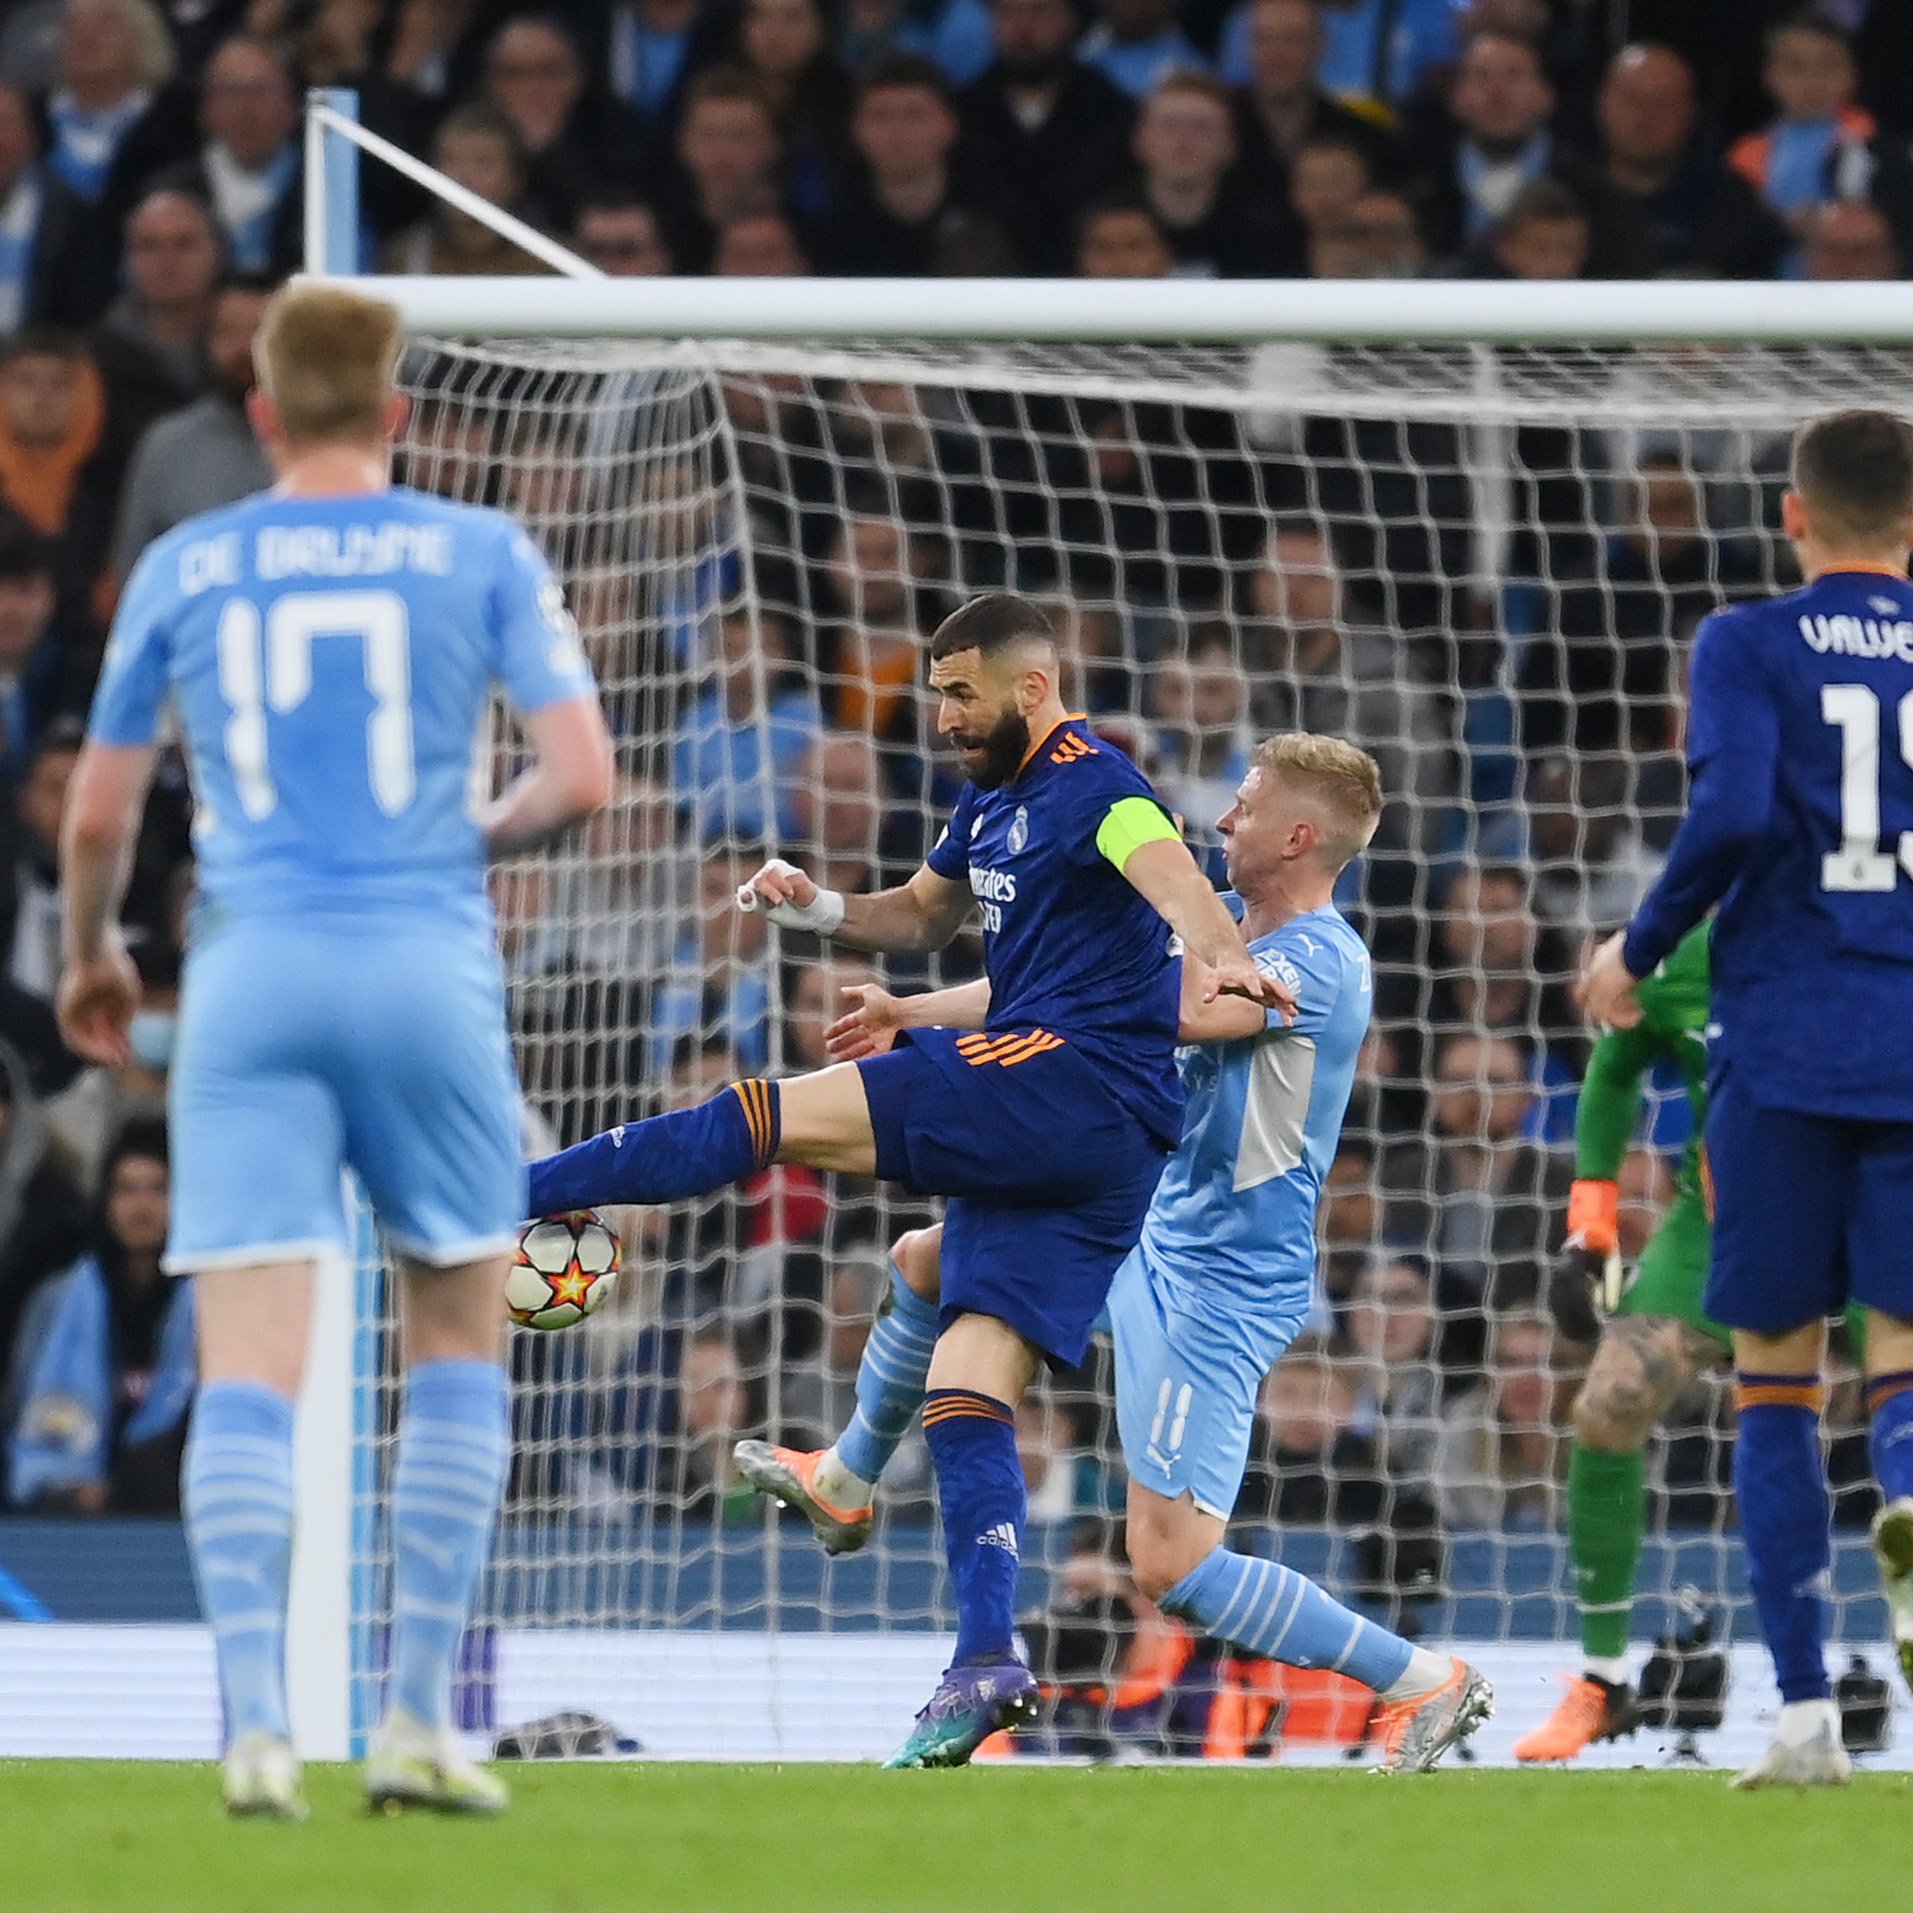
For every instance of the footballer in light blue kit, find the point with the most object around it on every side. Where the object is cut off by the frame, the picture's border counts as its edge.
(328, 651)
(1800, 827)
(1222, 1277)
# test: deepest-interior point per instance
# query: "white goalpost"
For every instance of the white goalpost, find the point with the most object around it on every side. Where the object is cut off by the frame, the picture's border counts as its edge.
(1471, 526)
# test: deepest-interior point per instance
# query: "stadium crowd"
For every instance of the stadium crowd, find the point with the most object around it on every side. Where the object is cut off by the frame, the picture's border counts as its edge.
(1529, 737)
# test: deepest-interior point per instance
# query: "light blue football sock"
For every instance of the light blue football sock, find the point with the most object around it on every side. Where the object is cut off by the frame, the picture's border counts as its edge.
(454, 1446)
(891, 1379)
(1283, 1616)
(237, 1497)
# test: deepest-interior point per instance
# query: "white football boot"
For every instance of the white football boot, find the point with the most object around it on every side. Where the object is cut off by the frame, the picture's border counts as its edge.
(1807, 1751)
(260, 1779)
(412, 1765)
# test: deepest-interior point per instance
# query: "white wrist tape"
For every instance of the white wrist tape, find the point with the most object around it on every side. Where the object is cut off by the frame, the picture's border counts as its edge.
(821, 916)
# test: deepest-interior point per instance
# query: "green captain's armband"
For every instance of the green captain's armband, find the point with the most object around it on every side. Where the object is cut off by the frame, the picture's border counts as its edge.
(1131, 823)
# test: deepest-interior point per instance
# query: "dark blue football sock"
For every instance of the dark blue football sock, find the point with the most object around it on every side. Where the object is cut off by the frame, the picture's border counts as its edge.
(972, 1440)
(1890, 1402)
(684, 1152)
(1780, 1483)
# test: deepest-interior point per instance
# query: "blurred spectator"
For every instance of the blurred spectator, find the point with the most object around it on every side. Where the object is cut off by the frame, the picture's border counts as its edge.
(813, 1000)
(249, 169)
(1603, 681)
(1391, 1332)
(1501, 1448)
(759, 246)
(43, 1223)
(1122, 239)
(46, 667)
(1376, 53)
(1186, 147)
(953, 33)
(164, 316)
(728, 151)
(1200, 708)
(1314, 667)
(1700, 216)
(436, 46)
(478, 148)
(105, 1365)
(839, 813)
(743, 745)
(903, 216)
(820, 1396)
(1479, 1197)
(1282, 104)
(1311, 1465)
(52, 423)
(1045, 1445)
(1821, 144)
(1137, 44)
(1499, 137)
(622, 237)
(1847, 239)
(1042, 134)
(205, 455)
(1377, 238)
(698, 1477)
(872, 653)
(785, 46)
(1349, 1220)
(107, 119)
(53, 264)
(1498, 967)
(719, 983)
(576, 142)
(650, 50)
(1544, 235)
(1327, 178)
(1591, 860)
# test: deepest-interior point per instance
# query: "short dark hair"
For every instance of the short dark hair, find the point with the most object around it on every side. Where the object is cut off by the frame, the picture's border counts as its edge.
(1814, 20)
(1542, 202)
(990, 624)
(1855, 469)
(240, 279)
(24, 554)
(905, 69)
(45, 342)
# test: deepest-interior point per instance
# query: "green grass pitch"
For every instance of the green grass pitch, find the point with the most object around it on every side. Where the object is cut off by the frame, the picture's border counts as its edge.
(629, 1838)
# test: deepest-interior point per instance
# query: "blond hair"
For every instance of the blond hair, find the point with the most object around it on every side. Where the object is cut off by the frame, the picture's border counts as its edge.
(326, 358)
(153, 54)
(1344, 781)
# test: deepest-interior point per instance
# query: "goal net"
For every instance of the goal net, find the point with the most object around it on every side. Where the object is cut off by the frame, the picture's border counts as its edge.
(1482, 564)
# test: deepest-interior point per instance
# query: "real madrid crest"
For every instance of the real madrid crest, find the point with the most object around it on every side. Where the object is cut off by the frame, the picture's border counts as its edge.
(1019, 830)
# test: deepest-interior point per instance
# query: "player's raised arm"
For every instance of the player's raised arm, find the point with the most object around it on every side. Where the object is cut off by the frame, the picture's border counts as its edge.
(1163, 871)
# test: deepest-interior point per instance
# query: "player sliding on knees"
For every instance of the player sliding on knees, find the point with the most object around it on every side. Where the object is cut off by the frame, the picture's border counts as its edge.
(1800, 826)
(1047, 1130)
(1221, 1280)
(343, 1001)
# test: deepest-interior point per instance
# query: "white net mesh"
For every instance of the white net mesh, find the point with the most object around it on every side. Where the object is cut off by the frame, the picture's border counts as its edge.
(1482, 565)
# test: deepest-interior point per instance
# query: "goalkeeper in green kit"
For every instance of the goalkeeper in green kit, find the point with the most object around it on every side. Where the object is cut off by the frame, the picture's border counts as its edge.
(1653, 1343)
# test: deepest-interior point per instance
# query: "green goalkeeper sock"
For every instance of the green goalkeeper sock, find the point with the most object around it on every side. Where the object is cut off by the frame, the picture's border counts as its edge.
(1607, 1516)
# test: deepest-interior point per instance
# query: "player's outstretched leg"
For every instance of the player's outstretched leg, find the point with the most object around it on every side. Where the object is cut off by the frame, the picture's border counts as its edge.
(834, 1488)
(1426, 1702)
(1890, 1405)
(1640, 1365)
(237, 1497)
(972, 1436)
(1780, 1484)
(453, 1448)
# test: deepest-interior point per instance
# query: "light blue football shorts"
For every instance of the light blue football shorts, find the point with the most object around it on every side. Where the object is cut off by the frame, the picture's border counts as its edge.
(1189, 1369)
(308, 1045)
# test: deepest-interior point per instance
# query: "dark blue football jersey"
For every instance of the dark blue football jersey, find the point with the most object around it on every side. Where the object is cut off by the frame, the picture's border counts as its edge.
(1069, 945)
(1800, 823)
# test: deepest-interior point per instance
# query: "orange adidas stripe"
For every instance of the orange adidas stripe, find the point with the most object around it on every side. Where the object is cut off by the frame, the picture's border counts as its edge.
(1780, 1395)
(1032, 1045)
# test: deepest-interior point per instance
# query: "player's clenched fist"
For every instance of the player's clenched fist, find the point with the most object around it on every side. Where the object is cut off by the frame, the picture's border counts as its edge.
(868, 1027)
(1606, 988)
(791, 900)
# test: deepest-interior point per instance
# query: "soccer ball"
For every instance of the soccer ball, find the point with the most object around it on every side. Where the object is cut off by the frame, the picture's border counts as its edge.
(565, 1268)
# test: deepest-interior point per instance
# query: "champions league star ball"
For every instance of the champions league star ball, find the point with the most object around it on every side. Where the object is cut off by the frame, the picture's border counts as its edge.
(565, 1268)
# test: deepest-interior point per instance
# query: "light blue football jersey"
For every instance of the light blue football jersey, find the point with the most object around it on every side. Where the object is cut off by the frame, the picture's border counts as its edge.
(1235, 1209)
(330, 660)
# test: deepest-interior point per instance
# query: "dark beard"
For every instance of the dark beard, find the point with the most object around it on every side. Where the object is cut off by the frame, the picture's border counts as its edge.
(1005, 745)
(1037, 69)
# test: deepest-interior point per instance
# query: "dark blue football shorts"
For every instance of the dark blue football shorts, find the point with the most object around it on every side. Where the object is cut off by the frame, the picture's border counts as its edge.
(1810, 1212)
(1048, 1176)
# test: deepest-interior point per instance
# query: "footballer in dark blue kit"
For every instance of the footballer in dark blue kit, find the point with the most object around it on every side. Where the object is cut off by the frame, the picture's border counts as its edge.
(1800, 828)
(1047, 1129)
